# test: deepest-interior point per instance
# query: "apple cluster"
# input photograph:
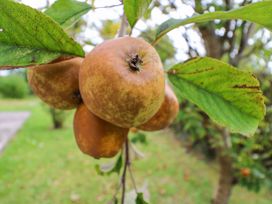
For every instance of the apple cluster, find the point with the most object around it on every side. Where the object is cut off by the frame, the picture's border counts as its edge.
(119, 85)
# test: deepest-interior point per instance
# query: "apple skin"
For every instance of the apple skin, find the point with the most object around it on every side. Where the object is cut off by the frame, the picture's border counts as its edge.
(97, 137)
(122, 81)
(166, 114)
(57, 83)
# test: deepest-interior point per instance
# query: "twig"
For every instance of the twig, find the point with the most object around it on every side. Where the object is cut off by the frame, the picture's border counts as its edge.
(192, 52)
(105, 7)
(123, 27)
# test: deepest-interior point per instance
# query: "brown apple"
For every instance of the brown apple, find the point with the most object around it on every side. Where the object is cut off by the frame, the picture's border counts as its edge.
(166, 114)
(57, 83)
(122, 81)
(97, 137)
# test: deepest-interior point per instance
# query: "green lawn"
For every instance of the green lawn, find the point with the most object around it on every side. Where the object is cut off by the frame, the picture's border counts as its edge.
(44, 166)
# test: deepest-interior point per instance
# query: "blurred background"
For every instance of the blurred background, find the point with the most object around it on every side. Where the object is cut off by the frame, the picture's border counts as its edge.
(186, 163)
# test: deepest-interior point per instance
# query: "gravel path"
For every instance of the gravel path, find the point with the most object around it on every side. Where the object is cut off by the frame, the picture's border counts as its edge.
(10, 123)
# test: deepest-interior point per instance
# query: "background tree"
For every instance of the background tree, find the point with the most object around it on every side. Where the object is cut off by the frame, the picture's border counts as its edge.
(229, 41)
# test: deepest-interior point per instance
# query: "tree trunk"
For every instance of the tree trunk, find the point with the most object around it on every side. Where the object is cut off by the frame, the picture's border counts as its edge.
(58, 124)
(57, 118)
(226, 181)
(212, 42)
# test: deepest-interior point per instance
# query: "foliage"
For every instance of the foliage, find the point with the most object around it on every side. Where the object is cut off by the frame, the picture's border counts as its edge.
(260, 13)
(140, 199)
(13, 86)
(256, 154)
(133, 14)
(109, 29)
(25, 41)
(253, 153)
(135, 9)
(230, 97)
(67, 12)
(139, 137)
(108, 169)
(194, 126)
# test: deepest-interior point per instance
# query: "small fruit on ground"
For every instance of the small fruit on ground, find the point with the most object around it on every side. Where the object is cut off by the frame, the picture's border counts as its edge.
(245, 172)
(57, 83)
(133, 130)
(166, 114)
(95, 136)
(122, 81)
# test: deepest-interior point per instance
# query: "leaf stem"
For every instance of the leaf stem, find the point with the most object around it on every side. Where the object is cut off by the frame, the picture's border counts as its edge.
(154, 43)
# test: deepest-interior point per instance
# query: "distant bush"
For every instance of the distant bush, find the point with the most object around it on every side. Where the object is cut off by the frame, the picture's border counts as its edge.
(13, 86)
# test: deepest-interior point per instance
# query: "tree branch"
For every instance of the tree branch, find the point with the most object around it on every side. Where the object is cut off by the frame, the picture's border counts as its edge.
(228, 4)
(123, 27)
(105, 7)
(192, 52)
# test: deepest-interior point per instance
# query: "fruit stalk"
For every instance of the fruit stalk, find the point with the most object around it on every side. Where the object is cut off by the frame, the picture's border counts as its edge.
(121, 33)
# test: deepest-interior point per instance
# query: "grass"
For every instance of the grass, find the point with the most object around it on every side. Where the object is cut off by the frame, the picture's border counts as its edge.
(44, 166)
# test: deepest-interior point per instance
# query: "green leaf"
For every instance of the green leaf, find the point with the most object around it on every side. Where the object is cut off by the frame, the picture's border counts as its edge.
(27, 37)
(135, 9)
(139, 137)
(67, 12)
(230, 97)
(140, 199)
(260, 13)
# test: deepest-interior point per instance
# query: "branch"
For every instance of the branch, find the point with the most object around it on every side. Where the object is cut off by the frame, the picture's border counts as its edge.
(105, 7)
(228, 4)
(250, 52)
(192, 52)
(246, 30)
(232, 40)
(123, 27)
(245, 2)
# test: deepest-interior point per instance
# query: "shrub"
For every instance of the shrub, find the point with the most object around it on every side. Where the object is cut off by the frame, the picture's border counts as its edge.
(13, 86)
